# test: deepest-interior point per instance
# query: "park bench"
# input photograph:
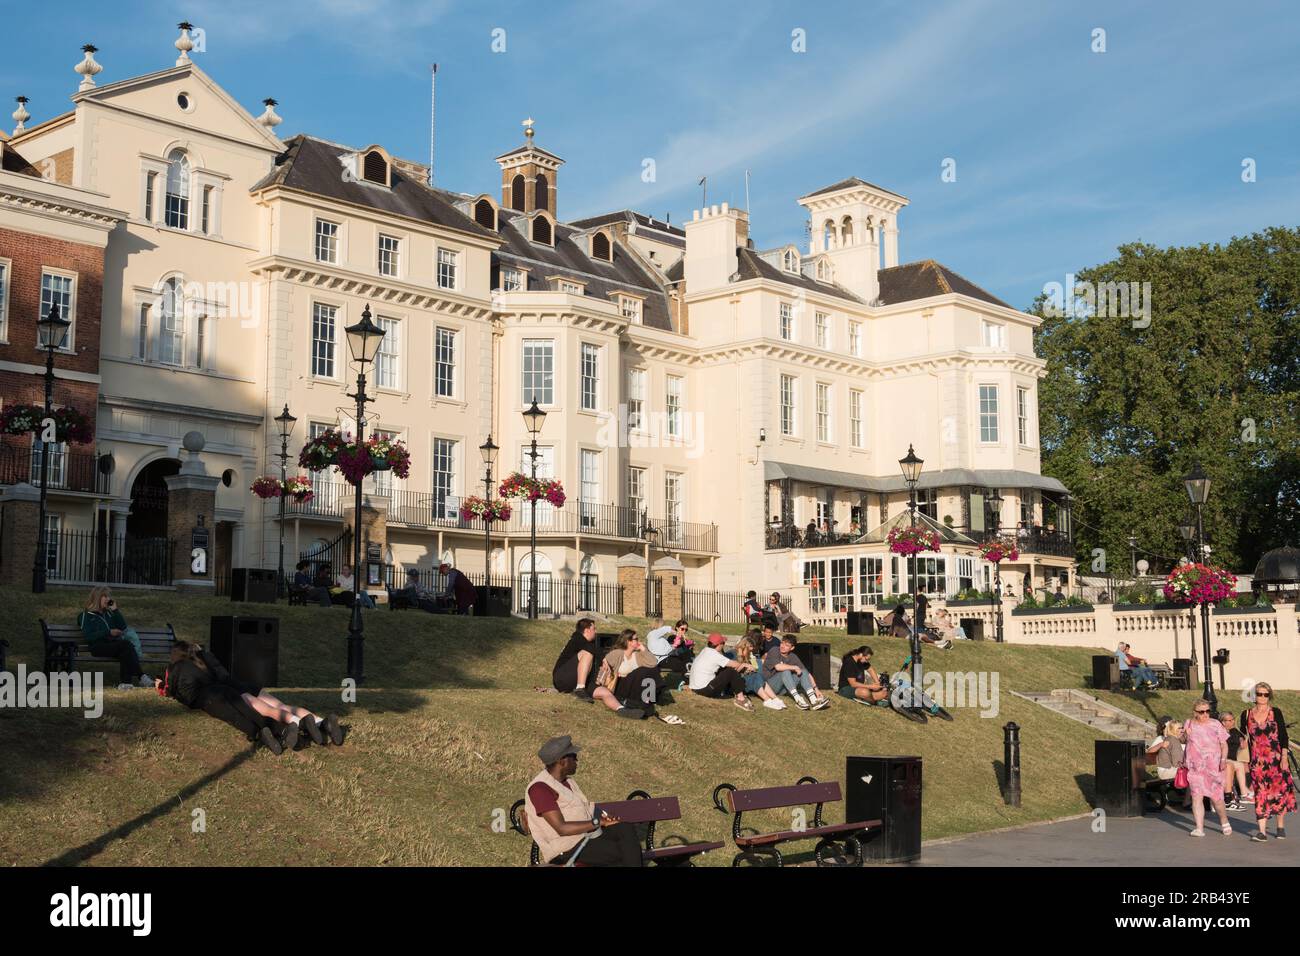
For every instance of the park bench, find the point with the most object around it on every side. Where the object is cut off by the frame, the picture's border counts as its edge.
(65, 647)
(638, 808)
(754, 845)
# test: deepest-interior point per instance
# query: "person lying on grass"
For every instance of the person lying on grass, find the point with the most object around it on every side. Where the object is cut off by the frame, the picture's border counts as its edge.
(859, 680)
(197, 679)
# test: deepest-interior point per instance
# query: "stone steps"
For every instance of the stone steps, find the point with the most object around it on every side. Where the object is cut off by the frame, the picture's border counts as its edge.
(1101, 717)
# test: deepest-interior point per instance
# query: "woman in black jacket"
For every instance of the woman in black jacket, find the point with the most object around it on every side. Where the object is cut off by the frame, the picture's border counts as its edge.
(199, 681)
(1270, 775)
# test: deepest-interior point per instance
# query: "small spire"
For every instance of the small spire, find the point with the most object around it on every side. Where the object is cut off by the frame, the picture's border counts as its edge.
(184, 43)
(268, 118)
(88, 68)
(20, 115)
(528, 130)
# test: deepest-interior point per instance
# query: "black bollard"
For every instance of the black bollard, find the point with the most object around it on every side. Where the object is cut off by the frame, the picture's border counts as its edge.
(1011, 763)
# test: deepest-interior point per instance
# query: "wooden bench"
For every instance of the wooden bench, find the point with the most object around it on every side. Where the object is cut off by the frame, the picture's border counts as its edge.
(753, 846)
(66, 648)
(638, 808)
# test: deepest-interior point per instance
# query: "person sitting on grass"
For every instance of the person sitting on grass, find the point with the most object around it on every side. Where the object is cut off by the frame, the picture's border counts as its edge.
(713, 674)
(859, 680)
(347, 587)
(575, 671)
(946, 628)
(926, 634)
(563, 822)
(786, 673)
(305, 586)
(415, 594)
(197, 679)
(630, 675)
(108, 634)
(750, 660)
(673, 650)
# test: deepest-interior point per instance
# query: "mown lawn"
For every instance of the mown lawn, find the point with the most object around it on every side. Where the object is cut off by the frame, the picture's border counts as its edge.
(443, 739)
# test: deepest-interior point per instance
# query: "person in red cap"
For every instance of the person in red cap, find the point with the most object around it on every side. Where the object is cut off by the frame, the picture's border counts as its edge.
(714, 674)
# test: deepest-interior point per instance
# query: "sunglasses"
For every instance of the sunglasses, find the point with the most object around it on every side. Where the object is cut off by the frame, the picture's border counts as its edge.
(1201, 712)
(1262, 694)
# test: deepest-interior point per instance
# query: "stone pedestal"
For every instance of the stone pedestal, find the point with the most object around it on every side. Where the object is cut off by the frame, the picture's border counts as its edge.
(671, 578)
(631, 579)
(374, 531)
(20, 510)
(191, 496)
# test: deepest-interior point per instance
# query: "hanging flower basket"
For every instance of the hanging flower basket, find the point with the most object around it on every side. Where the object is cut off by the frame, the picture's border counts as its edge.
(998, 551)
(387, 454)
(333, 447)
(297, 488)
(476, 507)
(518, 485)
(322, 451)
(912, 540)
(1199, 584)
(70, 424)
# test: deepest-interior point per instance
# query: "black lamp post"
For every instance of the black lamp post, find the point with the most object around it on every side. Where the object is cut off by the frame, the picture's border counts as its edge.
(285, 422)
(996, 501)
(51, 332)
(648, 531)
(533, 418)
(363, 343)
(911, 466)
(1197, 484)
(489, 452)
(1133, 556)
(1188, 530)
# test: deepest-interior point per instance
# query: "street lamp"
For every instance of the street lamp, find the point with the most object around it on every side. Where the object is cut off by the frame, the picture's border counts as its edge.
(285, 422)
(363, 342)
(1197, 484)
(489, 451)
(648, 531)
(1133, 556)
(51, 331)
(533, 418)
(996, 501)
(911, 466)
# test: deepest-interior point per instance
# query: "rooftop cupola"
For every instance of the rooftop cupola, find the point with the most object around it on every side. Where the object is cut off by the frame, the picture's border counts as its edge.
(528, 176)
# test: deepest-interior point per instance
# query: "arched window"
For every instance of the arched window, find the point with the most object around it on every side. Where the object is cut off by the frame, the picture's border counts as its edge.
(542, 230)
(790, 261)
(171, 323)
(846, 231)
(485, 215)
(588, 584)
(600, 247)
(177, 211)
(517, 198)
(828, 234)
(541, 193)
(375, 168)
(543, 570)
(824, 270)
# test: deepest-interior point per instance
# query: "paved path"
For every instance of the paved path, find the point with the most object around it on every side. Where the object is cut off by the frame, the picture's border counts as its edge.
(1128, 841)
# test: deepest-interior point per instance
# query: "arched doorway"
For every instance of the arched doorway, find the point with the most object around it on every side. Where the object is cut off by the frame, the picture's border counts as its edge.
(148, 517)
(543, 582)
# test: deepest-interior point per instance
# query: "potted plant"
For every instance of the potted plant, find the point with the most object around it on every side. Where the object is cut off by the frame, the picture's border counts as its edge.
(1199, 584)
(476, 507)
(912, 539)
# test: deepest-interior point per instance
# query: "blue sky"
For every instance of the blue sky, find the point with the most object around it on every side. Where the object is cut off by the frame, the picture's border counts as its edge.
(1061, 153)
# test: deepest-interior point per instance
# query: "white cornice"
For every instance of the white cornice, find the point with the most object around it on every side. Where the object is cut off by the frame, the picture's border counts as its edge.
(381, 289)
(38, 199)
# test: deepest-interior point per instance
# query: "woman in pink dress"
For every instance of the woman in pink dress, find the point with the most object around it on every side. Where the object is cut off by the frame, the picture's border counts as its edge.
(1206, 759)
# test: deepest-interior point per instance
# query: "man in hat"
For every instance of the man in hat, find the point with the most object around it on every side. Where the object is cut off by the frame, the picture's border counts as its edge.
(564, 823)
(459, 588)
(713, 674)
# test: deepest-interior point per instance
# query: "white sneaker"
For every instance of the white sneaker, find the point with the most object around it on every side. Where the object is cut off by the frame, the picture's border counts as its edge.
(799, 701)
(821, 703)
(126, 687)
(774, 703)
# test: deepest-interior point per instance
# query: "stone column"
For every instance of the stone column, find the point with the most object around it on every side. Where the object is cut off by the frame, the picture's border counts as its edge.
(374, 532)
(20, 516)
(891, 245)
(671, 576)
(631, 579)
(191, 496)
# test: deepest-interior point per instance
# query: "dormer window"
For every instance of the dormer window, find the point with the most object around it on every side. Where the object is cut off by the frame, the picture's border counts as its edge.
(542, 231)
(790, 261)
(375, 168)
(485, 214)
(601, 248)
(824, 271)
(630, 307)
(568, 286)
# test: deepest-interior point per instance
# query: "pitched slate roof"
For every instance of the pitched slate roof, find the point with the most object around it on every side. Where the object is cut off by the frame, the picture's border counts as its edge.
(848, 183)
(313, 166)
(920, 280)
(751, 266)
(674, 235)
(568, 258)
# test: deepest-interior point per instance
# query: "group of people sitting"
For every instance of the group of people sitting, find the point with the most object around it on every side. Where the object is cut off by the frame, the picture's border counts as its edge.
(458, 593)
(940, 633)
(1144, 678)
(774, 612)
(196, 678)
(325, 589)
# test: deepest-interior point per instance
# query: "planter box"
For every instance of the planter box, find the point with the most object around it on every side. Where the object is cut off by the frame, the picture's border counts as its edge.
(971, 602)
(1158, 606)
(1254, 609)
(1077, 609)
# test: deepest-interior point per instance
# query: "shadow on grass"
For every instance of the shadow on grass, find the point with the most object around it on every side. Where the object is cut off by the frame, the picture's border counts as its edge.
(1087, 784)
(81, 854)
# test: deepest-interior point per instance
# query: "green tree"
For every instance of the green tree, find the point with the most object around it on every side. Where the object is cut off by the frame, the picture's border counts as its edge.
(1127, 407)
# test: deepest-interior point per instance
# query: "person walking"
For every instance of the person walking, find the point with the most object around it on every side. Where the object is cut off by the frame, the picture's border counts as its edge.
(1270, 776)
(1206, 759)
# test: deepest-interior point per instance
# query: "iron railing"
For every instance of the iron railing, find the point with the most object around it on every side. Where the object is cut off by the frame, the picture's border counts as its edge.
(419, 509)
(722, 607)
(84, 557)
(68, 470)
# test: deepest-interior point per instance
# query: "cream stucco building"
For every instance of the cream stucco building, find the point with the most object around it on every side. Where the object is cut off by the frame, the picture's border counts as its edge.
(749, 405)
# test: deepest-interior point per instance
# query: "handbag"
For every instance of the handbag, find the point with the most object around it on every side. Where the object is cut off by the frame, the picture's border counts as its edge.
(1180, 778)
(607, 677)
